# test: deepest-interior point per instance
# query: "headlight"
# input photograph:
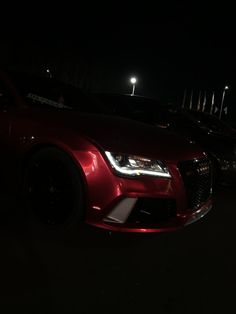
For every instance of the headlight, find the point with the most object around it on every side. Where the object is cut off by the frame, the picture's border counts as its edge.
(136, 165)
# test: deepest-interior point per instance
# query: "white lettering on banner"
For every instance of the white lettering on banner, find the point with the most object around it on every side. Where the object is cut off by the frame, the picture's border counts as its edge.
(46, 101)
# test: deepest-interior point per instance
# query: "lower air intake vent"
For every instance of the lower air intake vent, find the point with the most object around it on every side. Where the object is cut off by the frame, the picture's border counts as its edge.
(153, 210)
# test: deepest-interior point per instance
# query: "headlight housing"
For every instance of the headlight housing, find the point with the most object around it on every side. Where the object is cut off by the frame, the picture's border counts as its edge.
(131, 165)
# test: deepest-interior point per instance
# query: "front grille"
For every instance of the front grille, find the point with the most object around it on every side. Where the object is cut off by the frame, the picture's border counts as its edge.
(152, 210)
(197, 177)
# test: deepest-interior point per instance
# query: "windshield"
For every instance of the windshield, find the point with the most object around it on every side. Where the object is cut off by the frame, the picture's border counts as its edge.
(133, 107)
(50, 92)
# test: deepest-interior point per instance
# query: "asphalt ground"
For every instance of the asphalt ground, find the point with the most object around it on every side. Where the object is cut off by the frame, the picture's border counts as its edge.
(89, 270)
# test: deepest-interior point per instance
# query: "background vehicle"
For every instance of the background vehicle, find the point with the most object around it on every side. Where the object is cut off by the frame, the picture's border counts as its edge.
(73, 162)
(215, 137)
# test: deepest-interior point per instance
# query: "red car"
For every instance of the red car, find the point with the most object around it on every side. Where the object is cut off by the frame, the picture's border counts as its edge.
(72, 162)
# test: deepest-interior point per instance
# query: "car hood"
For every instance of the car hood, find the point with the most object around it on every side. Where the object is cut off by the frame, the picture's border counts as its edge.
(128, 136)
(119, 135)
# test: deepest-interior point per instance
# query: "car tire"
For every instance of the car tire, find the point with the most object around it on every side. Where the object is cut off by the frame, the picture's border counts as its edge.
(53, 189)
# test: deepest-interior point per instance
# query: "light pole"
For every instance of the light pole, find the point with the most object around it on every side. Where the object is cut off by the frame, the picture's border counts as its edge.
(199, 100)
(204, 102)
(184, 98)
(212, 102)
(191, 101)
(133, 81)
(222, 100)
(49, 73)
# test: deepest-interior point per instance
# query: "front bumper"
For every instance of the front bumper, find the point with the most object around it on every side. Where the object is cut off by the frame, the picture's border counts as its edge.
(176, 223)
(173, 203)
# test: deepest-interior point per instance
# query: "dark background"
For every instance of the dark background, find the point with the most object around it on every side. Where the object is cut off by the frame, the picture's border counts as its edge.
(169, 47)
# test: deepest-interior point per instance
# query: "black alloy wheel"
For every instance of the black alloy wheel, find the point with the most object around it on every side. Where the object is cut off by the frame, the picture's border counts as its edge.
(54, 187)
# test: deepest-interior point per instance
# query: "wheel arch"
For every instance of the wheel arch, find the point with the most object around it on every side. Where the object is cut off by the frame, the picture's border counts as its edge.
(42, 146)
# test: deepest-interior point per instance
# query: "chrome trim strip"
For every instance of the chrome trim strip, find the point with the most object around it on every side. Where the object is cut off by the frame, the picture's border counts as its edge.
(199, 214)
(121, 212)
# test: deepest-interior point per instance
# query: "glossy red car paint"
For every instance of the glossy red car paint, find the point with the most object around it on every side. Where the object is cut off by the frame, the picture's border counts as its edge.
(25, 129)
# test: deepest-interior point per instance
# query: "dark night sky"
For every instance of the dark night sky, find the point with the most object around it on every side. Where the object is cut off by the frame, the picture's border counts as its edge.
(168, 47)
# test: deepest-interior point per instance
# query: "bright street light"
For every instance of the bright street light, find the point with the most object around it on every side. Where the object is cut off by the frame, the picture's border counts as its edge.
(49, 73)
(133, 81)
(222, 100)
